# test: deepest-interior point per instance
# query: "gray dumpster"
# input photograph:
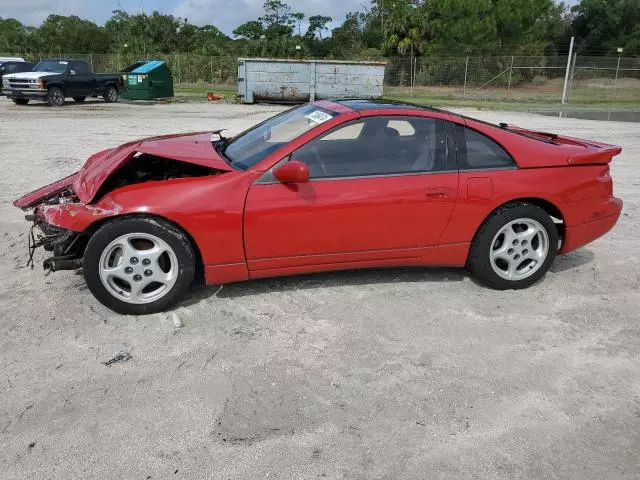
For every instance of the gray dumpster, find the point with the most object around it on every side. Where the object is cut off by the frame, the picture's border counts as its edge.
(272, 79)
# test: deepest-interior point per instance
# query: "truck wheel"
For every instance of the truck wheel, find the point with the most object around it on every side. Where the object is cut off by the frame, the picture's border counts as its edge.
(55, 97)
(111, 94)
(514, 247)
(139, 265)
(20, 101)
(79, 99)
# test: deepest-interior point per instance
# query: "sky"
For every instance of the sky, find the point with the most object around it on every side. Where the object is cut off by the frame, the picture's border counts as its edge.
(224, 14)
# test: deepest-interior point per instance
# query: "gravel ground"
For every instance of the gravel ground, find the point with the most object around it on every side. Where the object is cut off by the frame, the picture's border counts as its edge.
(356, 375)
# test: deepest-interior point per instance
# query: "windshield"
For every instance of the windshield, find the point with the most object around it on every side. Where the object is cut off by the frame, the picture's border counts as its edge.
(248, 148)
(56, 66)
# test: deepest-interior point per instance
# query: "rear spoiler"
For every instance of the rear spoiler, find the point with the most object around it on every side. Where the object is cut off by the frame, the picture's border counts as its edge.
(599, 154)
(580, 152)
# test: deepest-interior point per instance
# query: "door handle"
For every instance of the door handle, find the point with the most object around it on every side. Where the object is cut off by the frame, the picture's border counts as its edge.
(435, 193)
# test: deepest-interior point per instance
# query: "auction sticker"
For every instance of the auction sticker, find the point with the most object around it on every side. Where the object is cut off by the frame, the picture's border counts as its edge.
(319, 116)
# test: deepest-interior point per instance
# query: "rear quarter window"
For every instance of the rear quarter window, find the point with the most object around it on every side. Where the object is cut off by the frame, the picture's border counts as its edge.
(476, 151)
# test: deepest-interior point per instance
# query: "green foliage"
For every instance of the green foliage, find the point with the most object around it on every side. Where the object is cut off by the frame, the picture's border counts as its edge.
(252, 30)
(276, 13)
(317, 25)
(606, 25)
(421, 28)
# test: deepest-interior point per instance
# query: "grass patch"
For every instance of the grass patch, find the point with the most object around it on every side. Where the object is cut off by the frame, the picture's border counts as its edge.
(511, 105)
(199, 92)
(441, 98)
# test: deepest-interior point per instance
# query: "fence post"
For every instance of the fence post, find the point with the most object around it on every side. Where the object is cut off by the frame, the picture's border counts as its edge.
(466, 70)
(615, 80)
(178, 64)
(510, 75)
(411, 70)
(566, 75)
(573, 71)
(211, 63)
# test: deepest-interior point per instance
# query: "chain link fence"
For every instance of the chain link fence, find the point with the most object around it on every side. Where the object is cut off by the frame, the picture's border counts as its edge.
(538, 79)
(509, 78)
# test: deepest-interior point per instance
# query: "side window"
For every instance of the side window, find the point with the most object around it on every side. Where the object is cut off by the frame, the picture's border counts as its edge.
(479, 152)
(404, 128)
(350, 132)
(378, 146)
(81, 68)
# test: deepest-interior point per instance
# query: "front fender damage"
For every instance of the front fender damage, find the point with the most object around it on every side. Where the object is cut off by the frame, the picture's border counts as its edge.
(63, 230)
(67, 212)
(78, 216)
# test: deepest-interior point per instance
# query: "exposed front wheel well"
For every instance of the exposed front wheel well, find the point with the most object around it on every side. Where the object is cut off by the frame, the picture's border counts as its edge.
(88, 233)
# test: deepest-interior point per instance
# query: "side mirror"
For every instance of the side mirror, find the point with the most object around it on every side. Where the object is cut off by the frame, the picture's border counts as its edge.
(72, 73)
(293, 171)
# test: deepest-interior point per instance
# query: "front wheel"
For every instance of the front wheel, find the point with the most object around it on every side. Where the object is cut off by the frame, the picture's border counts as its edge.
(55, 97)
(514, 248)
(138, 266)
(111, 94)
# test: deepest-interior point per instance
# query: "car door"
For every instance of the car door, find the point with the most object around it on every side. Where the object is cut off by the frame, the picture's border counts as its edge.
(80, 80)
(380, 188)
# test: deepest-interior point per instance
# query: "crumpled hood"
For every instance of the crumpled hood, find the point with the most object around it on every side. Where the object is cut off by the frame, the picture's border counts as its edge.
(193, 148)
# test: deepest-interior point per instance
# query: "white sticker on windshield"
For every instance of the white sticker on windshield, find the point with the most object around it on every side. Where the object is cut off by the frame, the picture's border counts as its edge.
(62, 63)
(319, 116)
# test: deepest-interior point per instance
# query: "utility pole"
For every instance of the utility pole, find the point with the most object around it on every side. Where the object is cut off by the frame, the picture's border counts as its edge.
(566, 75)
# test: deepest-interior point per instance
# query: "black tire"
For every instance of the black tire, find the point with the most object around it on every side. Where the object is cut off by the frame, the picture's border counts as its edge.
(55, 97)
(164, 230)
(479, 261)
(20, 101)
(79, 99)
(111, 94)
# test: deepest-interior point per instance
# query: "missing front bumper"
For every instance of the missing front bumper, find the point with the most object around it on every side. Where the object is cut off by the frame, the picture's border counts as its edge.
(64, 244)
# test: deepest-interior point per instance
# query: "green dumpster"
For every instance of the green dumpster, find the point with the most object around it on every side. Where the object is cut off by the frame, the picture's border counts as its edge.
(147, 80)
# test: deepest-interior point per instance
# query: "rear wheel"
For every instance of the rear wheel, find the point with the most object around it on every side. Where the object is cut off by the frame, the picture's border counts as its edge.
(138, 266)
(20, 101)
(514, 248)
(111, 94)
(79, 99)
(55, 97)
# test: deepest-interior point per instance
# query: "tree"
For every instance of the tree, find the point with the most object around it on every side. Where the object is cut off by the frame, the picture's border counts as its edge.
(277, 20)
(276, 13)
(298, 17)
(71, 34)
(526, 26)
(252, 30)
(13, 36)
(405, 23)
(602, 26)
(463, 27)
(317, 24)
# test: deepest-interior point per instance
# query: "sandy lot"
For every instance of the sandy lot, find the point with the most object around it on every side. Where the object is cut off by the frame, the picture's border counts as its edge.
(383, 374)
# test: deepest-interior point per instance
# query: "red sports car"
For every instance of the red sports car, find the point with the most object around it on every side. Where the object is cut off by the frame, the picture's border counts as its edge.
(324, 186)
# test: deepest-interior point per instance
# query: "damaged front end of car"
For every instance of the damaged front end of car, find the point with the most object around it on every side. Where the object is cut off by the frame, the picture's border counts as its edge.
(65, 245)
(65, 214)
